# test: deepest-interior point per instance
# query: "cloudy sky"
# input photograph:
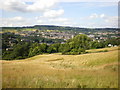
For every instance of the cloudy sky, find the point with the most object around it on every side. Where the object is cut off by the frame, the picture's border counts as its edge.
(79, 13)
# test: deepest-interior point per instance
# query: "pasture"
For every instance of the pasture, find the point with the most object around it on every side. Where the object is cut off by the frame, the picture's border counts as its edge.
(96, 69)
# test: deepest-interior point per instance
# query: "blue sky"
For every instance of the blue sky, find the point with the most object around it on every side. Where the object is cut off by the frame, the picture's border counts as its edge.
(54, 12)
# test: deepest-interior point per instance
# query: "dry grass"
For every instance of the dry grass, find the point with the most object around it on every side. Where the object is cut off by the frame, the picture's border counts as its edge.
(102, 50)
(92, 70)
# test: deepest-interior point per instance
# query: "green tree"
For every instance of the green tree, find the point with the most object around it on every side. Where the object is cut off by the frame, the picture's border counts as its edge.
(77, 45)
(53, 48)
(19, 51)
(35, 49)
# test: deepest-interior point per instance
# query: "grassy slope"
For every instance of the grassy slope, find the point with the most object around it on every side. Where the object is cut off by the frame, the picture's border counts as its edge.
(92, 70)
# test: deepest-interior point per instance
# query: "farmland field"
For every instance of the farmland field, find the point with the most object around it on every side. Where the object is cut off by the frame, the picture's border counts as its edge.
(96, 69)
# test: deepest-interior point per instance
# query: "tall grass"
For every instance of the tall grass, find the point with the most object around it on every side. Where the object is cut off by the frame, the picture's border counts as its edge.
(92, 70)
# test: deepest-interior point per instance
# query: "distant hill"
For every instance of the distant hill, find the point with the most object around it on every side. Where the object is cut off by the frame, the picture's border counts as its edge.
(62, 28)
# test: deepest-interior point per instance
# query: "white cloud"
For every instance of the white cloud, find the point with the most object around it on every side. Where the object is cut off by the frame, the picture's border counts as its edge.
(96, 16)
(106, 21)
(88, 0)
(99, 20)
(102, 15)
(59, 20)
(20, 5)
(41, 5)
(78, 0)
(53, 21)
(93, 16)
(21, 21)
(17, 18)
(109, 21)
(74, 0)
(53, 13)
(39, 21)
(16, 21)
(14, 5)
(112, 21)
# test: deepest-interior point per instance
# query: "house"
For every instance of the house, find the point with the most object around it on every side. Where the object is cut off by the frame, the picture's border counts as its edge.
(110, 45)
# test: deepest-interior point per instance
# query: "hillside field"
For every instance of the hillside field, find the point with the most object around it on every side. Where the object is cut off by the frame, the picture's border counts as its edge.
(96, 69)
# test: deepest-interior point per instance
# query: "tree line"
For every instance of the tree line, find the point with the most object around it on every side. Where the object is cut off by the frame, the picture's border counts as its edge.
(74, 46)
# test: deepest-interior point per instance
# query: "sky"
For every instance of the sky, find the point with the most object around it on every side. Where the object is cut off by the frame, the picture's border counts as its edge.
(75, 13)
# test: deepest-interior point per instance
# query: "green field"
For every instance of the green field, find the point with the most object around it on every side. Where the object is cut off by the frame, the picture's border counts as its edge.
(96, 69)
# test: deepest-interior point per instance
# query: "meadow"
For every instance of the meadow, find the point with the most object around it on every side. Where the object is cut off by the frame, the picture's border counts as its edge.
(96, 69)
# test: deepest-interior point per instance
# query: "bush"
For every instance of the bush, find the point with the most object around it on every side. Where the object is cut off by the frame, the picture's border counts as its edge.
(70, 53)
(20, 57)
(105, 51)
